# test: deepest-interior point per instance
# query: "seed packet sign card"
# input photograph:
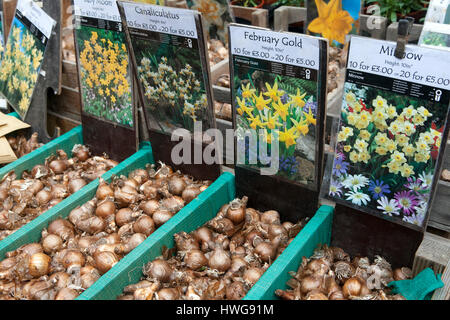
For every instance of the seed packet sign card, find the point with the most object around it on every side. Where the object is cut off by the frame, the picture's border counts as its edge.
(393, 120)
(3, 103)
(22, 57)
(278, 85)
(105, 80)
(168, 52)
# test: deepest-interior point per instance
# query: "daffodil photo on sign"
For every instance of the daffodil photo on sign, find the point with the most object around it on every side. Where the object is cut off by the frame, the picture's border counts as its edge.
(104, 73)
(172, 81)
(20, 65)
(386, 152)
(333, 20)
(278, 104)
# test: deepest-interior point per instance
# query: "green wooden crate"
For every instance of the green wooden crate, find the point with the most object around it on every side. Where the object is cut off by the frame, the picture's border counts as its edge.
(38, 156)
(129, 269)
(317, 231)
(195, 214)
(14, 114)
(31, 232)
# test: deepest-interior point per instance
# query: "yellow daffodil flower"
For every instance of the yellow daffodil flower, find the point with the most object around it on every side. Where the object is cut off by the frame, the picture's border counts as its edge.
(298, 99)
(301, 126)
(244, 108)
(282, 109)
(273, 92)
(260, 103)
(310, 118)
(271, 121)
(247, 92)
(289, 137)
(332, 22)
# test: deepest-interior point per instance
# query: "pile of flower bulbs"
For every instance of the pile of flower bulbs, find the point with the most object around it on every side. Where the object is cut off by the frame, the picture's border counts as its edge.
(222, 259)
(21, 146)
(74, 252)
(337, 61)
(22, 200)
(217, 51)
(330, 274)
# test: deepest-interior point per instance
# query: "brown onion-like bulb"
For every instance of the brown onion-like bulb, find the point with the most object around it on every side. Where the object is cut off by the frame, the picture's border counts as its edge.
(76, 184)
(43, 197)
(352, 287)
(52, 243)
(236, 291)
(124, 216)
(39, 265)
(162, 216)
(81, 152)
(159, 270)
(402, 274)
(266, 251)
(203, 234)
(190, 193)
(105, 260)
(140, 175)
(316, 295)
(277, 230)
(270, 217)
(39, 171)
(144, 225)
(149, 191)
(310, 283)
(104, 191)
(60, 279)
(238, 263)
(252, 275)
(62, 228)
(58, 166)
(336, 295)
(219, 260)
(73, 258)
(67, 294)
(105, 209)
(59, 191)
(168, 294)
(236, 213)
(195, 260)
(150, 207)
(134, 241)
(176, 185)
(173, 204)
(252, 216)
(31, 248)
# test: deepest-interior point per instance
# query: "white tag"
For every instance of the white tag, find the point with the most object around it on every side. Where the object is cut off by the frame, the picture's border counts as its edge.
(420, 65)
(37, 16)
(274, 46)
(175, 21)
(98, 9)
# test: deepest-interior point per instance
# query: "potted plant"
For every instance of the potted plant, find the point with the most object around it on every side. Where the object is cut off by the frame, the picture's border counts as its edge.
(395, 10)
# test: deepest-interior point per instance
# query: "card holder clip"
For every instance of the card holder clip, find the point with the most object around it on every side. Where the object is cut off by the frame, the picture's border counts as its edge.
(404, 29)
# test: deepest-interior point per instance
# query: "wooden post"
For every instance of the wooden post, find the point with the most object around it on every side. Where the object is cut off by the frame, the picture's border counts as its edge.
(285, 15)
(257, 17)
(9, 8)
(433, 252)
(373, 26)
(444, 292)
(49, 80)
(414, 35)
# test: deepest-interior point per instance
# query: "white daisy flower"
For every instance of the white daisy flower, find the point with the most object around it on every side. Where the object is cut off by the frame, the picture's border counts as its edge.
(389, 207)
(357, 198)
(354, 182)
(427, 179)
